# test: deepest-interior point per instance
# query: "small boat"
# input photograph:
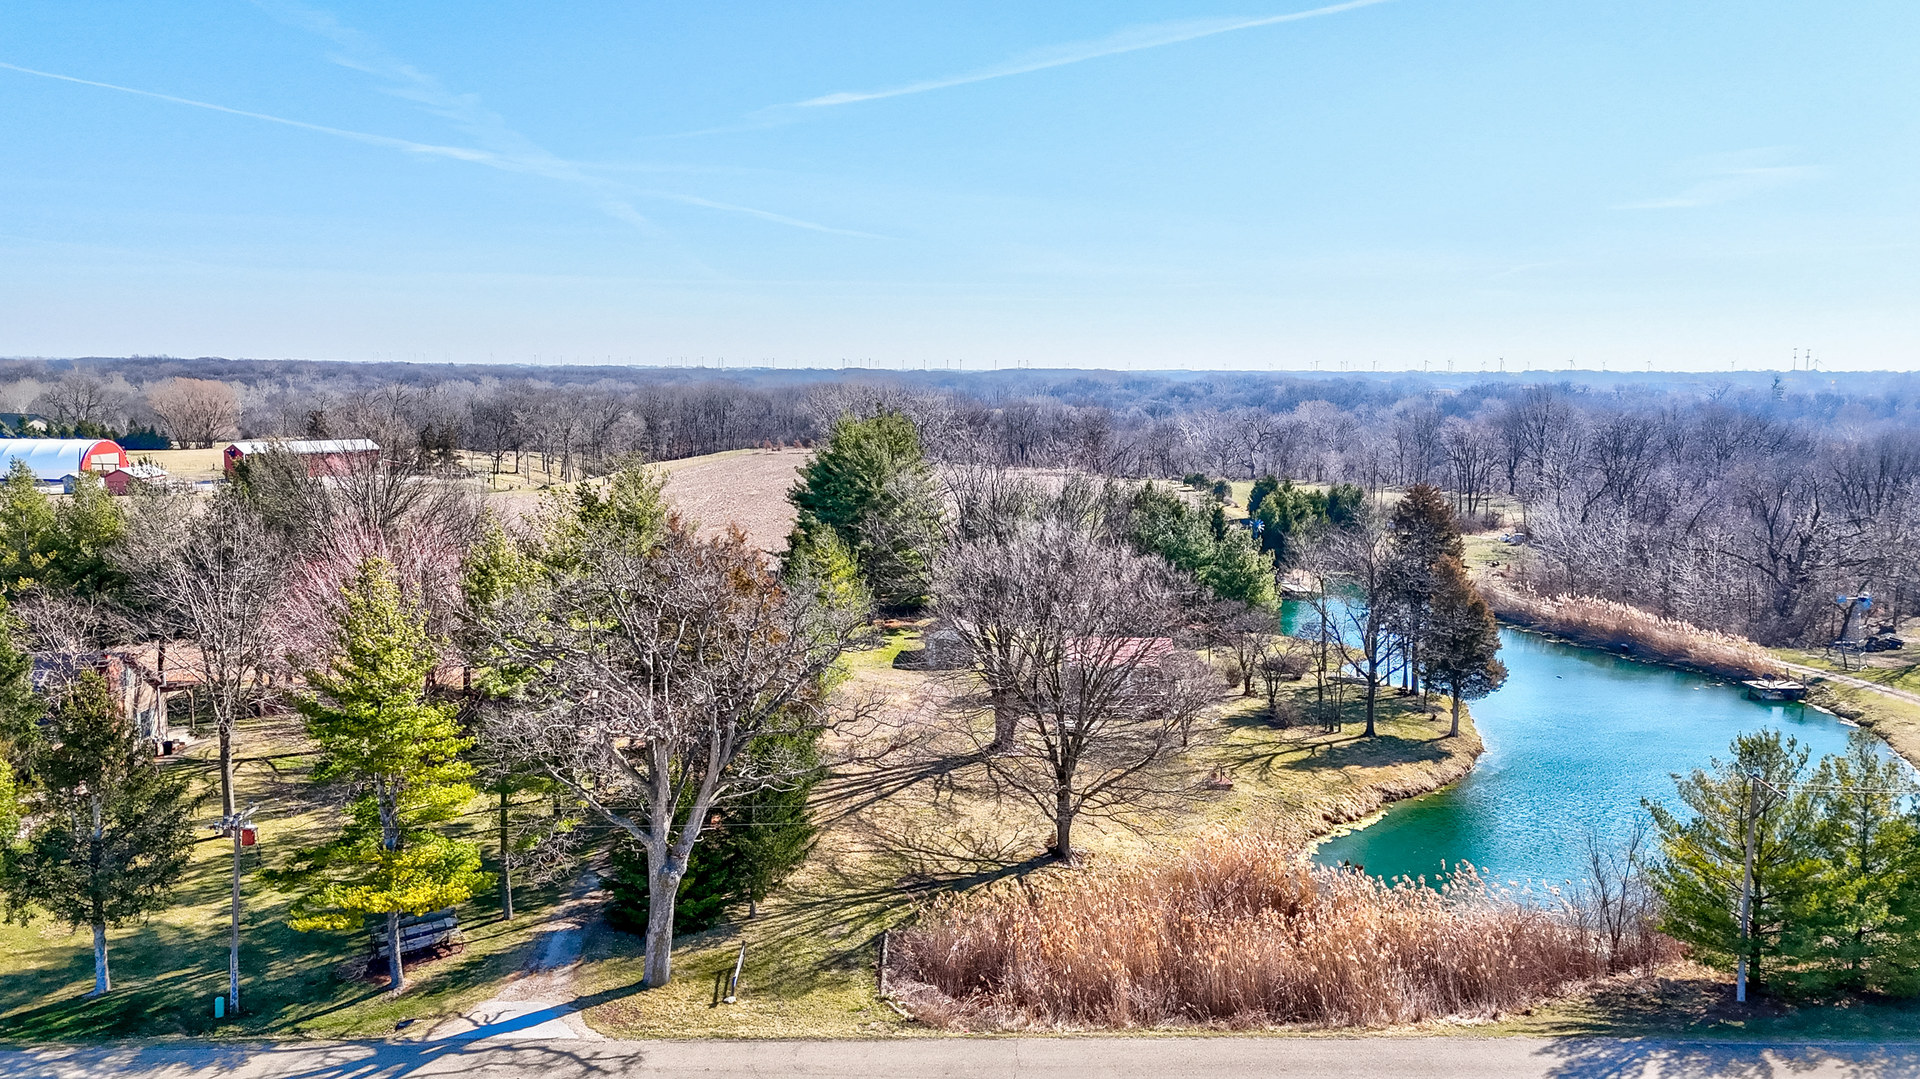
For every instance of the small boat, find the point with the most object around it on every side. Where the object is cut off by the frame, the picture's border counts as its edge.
(1768, 689)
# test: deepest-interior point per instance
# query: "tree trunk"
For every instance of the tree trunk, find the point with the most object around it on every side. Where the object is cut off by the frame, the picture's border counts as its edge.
(1455, 730)
(506, 861)
(396, 971)
(1063, 826)
(226, 765)
(662, 890)
(102, 980)
(1373, 698)
(1003, 723)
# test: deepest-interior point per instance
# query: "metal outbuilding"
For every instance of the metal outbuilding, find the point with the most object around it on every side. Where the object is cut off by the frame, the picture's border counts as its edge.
(323, 456)
(54, 459)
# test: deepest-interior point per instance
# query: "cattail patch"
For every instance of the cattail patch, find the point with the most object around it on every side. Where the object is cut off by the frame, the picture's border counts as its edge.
(1239, 931)
(1604, 623)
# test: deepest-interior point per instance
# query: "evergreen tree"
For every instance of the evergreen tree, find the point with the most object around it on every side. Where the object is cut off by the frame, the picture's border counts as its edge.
(1424, 535)
(1460, 652)
(68, 547)
(1859, 928)
(1346, 504)
(871, 486)
(399, 756)
(111, 830)
(1262, 487)
(1703, 860)
(20, 707)
(755, 843)
(820, 558)
(1227, 563)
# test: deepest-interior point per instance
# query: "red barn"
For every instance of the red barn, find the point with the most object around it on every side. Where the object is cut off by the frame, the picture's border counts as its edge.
(323, 456)
(54, 459)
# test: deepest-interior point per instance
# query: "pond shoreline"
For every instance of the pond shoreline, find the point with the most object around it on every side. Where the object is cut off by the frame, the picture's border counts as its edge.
(1371, 798)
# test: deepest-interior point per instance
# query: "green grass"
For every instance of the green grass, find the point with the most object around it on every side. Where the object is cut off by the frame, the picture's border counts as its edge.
(167, 970)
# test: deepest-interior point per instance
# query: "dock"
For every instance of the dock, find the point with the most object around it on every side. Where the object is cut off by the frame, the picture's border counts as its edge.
(1769, 689)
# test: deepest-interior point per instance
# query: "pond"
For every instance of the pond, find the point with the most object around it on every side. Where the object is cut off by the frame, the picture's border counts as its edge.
(1575, 739)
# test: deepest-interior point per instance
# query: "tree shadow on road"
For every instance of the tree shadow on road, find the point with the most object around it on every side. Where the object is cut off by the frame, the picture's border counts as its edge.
(1611, 1058)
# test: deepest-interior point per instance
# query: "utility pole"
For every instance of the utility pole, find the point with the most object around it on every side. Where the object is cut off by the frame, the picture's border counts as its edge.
(240, 827)
(1746, 892)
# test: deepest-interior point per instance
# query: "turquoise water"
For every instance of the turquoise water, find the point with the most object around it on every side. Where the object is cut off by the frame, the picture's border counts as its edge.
(1575, 739)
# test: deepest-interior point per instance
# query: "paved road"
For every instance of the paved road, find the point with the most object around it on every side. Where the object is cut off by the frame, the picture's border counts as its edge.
(962, 1058)
(1847, 679)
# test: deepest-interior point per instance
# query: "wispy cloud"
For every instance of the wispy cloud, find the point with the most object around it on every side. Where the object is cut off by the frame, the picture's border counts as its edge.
(499, 146)
(1131, 39)
(458, 153)
(1723, 178)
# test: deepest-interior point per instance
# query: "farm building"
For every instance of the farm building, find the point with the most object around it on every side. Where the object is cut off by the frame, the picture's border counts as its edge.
(122, 481)
(324, 456)
(54, 459)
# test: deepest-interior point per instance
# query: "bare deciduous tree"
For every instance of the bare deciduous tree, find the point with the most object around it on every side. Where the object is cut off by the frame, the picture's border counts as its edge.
(195, 411)
(1073, 639)
(653, 664)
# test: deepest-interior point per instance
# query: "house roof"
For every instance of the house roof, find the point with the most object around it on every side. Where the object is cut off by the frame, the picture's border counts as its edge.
(307, 445)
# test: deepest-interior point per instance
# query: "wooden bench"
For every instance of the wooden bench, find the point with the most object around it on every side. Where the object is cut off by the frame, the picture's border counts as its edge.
(418, 933)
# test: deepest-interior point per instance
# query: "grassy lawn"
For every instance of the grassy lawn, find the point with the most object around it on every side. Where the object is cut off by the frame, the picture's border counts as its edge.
(1696, 1003)
(167, 971)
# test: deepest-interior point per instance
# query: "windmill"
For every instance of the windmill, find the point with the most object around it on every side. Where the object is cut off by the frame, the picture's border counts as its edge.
(1852, 638)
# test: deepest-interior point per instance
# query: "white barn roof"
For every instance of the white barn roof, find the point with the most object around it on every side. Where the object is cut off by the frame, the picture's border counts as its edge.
(54, 458)
(308, 445)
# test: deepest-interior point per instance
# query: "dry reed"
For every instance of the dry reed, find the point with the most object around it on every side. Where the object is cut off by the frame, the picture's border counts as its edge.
(1240, 932)
(1604, 623)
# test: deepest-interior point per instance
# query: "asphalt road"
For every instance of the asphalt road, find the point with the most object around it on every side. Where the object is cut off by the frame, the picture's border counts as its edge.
(1052, 1058)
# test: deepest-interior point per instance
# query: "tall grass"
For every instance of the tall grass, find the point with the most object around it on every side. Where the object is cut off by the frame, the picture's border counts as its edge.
(1239, 931)
(1604, 623)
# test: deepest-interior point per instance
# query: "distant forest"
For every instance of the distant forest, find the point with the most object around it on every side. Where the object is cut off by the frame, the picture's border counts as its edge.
(1745, 501)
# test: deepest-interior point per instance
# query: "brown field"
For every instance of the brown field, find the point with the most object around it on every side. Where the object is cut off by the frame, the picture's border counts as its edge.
(744, 488)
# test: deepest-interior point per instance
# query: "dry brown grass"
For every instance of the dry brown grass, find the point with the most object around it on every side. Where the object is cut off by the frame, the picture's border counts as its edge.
(1603, 623)
(1239, 932)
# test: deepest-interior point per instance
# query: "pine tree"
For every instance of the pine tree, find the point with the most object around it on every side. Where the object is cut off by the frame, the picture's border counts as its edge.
(399, 756)
(872, 487)
(753, 845)
(1704, 852)
(1461, 644)
(111, 830)
(1859, 926)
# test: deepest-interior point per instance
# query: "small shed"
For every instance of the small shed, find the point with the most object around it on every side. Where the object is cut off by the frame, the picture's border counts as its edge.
(122, 481)
(323, 456)
(52, 460)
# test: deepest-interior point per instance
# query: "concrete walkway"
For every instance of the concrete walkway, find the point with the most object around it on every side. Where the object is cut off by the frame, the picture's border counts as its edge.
(1849, 680)
(962, 1058)
(538, 1006)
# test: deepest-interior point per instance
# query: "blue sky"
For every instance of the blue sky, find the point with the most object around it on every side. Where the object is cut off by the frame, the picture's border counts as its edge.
(1697, 184)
